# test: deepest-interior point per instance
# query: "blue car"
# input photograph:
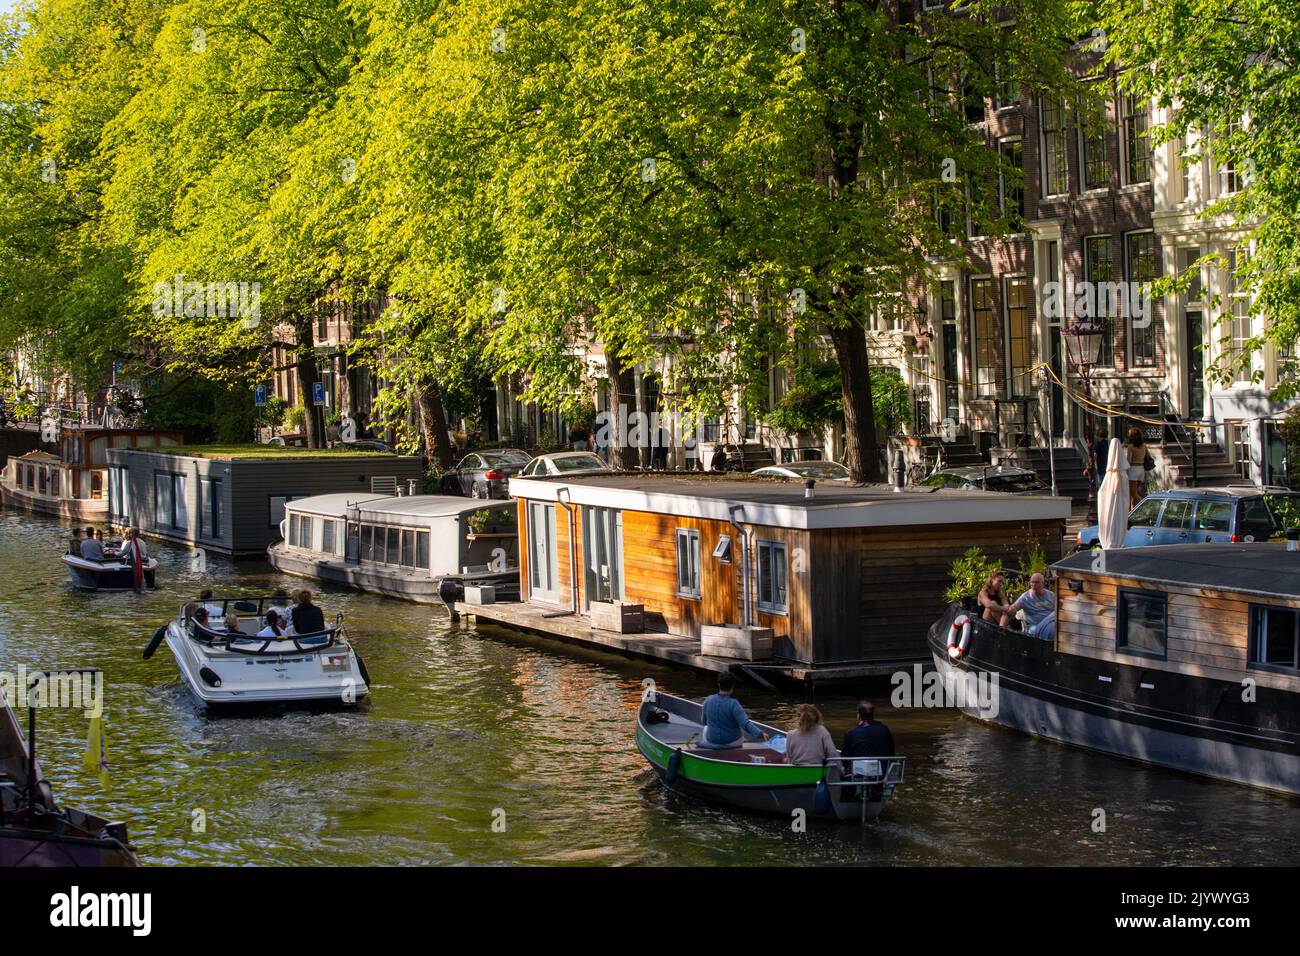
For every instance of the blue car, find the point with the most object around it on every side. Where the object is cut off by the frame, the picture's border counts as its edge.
(1199, 515)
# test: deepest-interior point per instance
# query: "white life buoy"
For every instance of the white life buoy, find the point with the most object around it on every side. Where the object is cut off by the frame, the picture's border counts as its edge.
(957, 647)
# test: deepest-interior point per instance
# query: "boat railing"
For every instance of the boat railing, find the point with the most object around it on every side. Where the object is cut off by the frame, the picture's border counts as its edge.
(239, 642)
(865, 771)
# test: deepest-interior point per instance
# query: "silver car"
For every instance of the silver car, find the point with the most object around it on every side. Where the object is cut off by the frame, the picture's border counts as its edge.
(484, 474)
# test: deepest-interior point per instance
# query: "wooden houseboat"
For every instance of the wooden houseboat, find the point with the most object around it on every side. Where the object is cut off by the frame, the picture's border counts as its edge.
(825, 577)
(1181, 656)
(400, 546)
(74, 484)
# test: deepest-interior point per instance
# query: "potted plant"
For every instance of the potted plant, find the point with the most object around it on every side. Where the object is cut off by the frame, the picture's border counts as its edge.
(967, 575)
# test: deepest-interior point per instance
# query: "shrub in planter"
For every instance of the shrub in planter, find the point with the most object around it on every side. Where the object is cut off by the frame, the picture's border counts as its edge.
(968, 574)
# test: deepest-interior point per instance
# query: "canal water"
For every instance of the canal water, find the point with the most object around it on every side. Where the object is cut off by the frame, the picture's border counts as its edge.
(468, 726)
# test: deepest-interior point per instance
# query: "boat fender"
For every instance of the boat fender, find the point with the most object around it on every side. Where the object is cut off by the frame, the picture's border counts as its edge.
(210, 676)
(674, 767)
(959, 636)
(361, 666)
(154, 642)
(822, 798)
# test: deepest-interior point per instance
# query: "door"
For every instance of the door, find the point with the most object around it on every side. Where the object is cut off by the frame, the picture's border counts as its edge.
(602, 549)
(1142, 523)
(543, 551)
(951, 394)
(467, 473)
(1194, 337)
(353, 552)
(1213, 521)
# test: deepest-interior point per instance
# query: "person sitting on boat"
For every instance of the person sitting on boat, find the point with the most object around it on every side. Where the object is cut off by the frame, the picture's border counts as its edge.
(870, 738)
(307, 617)
(725, 721)
(993, 599)
(1039, 607)
(214, 610)
(91, 548)
(200, 616)
(280, 601)
(273, 626)
(232, 624)
(810, 743)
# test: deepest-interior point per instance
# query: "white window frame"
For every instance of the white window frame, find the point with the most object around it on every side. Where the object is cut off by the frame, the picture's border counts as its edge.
(690, 577)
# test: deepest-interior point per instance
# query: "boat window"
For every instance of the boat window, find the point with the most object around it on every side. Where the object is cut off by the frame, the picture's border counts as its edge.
(1146, 513)
(1274, 636)
(1178, 513)
(1256, 519)
(1214, 516)
(408, 548)
(688, 563)
(394, 555)
(305, 532)
(328, 536)
(1142, 622)
(381, 551)
(422, 549)
(772, 594)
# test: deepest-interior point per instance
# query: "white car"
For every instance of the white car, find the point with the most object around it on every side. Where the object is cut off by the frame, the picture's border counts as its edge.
(819, 470)
(565, 463)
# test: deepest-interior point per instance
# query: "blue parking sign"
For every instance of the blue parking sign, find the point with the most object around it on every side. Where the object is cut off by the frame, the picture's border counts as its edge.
(259, 396)
(318, 393)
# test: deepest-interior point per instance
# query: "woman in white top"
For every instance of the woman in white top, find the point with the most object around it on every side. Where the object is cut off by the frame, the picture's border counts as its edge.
(273, 628)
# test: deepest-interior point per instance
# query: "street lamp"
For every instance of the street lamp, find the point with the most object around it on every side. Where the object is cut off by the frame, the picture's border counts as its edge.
(1087, 336)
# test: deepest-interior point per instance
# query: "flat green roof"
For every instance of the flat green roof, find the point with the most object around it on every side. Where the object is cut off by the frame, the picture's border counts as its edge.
(231, 452)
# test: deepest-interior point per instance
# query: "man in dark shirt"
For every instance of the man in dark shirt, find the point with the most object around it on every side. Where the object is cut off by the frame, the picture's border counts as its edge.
(307, 617)
(869, 738)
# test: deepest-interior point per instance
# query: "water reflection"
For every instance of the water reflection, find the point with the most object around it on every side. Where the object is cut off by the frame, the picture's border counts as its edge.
(464, 723)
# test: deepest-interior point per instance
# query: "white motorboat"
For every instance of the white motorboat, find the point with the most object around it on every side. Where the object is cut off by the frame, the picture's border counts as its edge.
(110, 574)
(226, 663)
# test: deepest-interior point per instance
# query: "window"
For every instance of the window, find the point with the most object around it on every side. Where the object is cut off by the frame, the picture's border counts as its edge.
(1146, 513)
(1142, 622)
(1094, 166)
(1256, 520)
(1011, 186)
(328, 536)
(408, 548)
(1239, 329)
(422, 550)
(394, 555)
(367, 542)
(1214, 516)
(1273, 637)
(210, 508)
(305, 532)
(169, 501)
(1099, 265)
(688, 563)
(1007, 94)
(276, 507)
(772, 594)
(1230, 178)
(1141, 252)
(984, 337)
(1134, 120)
(1239, 437)
(1051, 132)
(1178, 514)
(1015, 292)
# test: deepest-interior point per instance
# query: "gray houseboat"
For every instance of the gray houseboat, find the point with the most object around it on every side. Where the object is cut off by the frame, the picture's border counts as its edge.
(231, 500)
(407, 547)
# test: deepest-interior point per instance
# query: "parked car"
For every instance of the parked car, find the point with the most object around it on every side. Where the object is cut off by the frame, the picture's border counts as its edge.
(294, 441)
(365, 444)
(565, 463)
(819, 470)
(1199, 515)
(483, 474)
(1004, 478)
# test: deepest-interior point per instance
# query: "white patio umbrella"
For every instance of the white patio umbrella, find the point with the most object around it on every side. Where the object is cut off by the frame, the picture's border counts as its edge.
(1112, 499)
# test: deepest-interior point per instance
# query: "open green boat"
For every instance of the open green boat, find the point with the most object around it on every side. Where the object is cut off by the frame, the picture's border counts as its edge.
(755, 775)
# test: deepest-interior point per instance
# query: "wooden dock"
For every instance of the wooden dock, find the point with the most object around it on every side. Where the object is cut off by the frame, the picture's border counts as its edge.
(664, 648)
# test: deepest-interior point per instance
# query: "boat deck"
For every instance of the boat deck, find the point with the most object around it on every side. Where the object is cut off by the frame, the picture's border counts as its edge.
(672, 649)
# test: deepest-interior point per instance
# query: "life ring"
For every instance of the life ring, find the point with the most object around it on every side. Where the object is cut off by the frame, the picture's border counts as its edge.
(957, 646)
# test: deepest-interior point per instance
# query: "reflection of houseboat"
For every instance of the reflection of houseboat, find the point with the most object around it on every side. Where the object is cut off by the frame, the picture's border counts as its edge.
(1182, 656)
(74, 483)
(399, 546)
(837, 578)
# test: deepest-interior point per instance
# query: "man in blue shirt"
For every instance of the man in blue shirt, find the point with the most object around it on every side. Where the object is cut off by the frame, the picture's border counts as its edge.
(92, 550)
(725, 721)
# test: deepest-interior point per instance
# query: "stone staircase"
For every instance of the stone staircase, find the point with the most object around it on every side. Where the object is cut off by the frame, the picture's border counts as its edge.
(1174, 465)
(955, 454)
(1070, 479)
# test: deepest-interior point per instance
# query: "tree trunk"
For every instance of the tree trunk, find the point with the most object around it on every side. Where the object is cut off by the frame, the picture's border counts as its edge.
(433, 424)
(622, 383)
(861, 450)
(308, 375)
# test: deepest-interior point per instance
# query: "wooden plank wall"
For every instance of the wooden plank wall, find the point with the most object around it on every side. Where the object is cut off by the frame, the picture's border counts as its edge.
(878, 590)
(1208, 631)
